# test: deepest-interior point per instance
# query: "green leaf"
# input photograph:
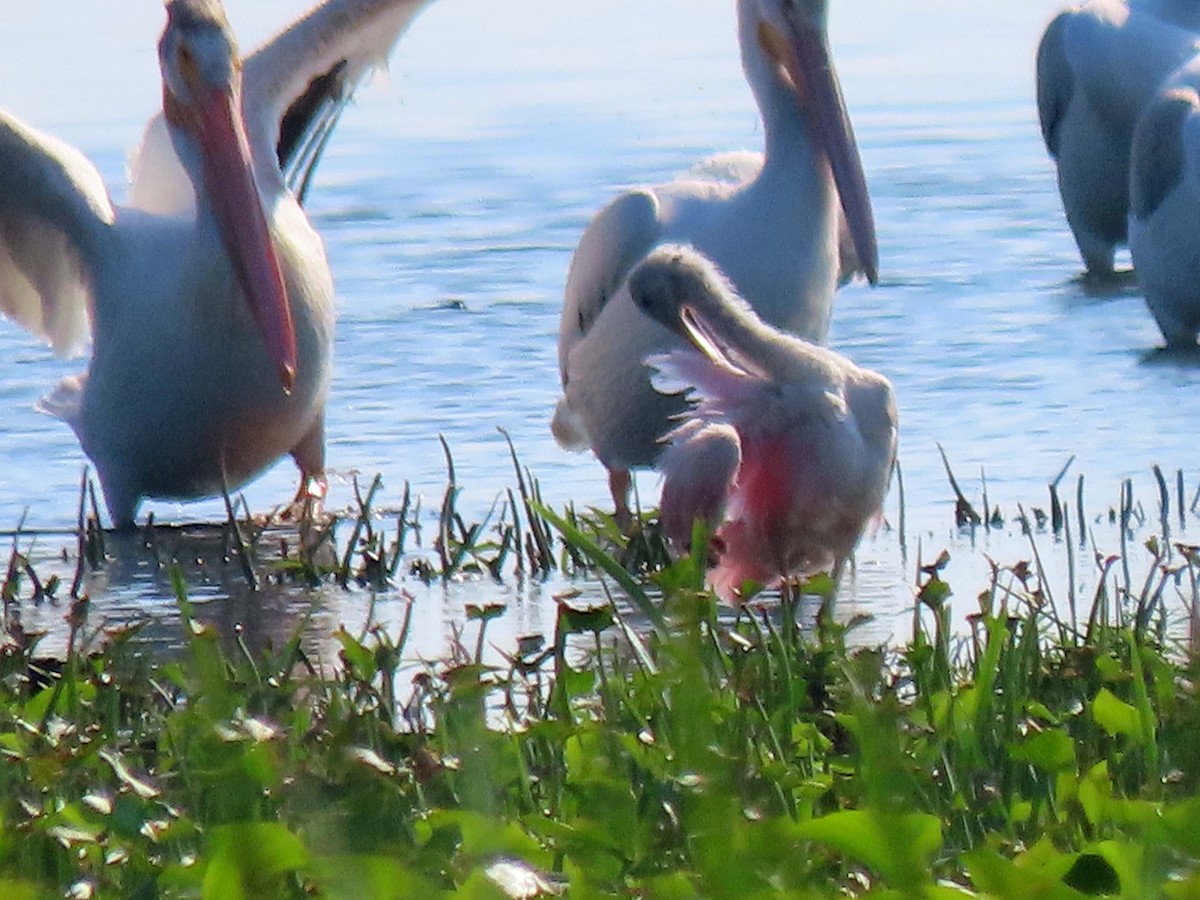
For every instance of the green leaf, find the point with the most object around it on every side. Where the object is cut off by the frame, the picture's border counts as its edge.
(20, 890)
(995, 875)
(485, 613)
(359, 658)
(897, 847)
(572, 620)
(1114, 715)
(607, 564)
(370, 878)
(1050, 751)
(483, 837)
(247, 858)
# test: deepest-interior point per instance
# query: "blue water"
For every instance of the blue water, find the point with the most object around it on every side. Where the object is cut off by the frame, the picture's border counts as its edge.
(452, 197)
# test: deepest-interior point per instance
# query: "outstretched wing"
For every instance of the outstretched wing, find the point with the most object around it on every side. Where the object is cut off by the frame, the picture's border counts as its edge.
(55, 214)
(297, 84)
(294, 89)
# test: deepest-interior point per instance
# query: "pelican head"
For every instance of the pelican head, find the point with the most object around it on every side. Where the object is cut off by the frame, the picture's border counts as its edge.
(793, 38)
(202, 97)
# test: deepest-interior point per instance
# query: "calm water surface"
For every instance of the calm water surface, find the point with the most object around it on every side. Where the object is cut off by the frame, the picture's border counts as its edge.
(457, 186)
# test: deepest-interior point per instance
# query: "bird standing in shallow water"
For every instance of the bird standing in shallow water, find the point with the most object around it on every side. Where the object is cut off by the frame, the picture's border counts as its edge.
(775, 234)
(1164, 241)
(208, 298)
(1098, 64)
(788, 451)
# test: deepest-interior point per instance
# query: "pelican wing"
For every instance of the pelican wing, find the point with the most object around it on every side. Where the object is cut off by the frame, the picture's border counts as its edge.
(294, 88)
(297, 83)
(1054, 81)
(733, 167)
(1158, 158)
(54, 214)
(611, 245)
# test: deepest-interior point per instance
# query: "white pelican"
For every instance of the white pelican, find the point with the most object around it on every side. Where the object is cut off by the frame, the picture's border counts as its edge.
(789, 451)
(771, 223)
(208, 297)
(1165, 206)
(1097, 66)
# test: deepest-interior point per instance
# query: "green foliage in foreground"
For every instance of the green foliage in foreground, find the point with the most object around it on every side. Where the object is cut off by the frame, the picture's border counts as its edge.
(719, 758)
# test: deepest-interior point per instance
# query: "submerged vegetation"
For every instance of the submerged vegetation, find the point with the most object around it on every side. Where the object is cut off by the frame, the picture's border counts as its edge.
(658, 746)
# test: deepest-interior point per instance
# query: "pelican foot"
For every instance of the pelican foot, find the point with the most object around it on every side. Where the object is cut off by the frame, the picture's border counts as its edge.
(1105, 284)
(307, 507)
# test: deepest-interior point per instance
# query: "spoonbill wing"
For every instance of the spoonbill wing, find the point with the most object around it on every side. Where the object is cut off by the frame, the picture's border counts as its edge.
(699, 465)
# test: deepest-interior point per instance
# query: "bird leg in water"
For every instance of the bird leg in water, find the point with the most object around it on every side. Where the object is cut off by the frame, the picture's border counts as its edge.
(309, 503)
(619, 484)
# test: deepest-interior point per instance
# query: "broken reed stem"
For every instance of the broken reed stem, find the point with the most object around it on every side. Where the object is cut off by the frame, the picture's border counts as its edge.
(1179, 498)
(1043, 581)
(362, 521)
(1123, 522)
(1083, 529)
(1164, 506)
(243, 550)
(1071, 576)
(449, 498)
(81, 536)
(964, 512)
(987, 509)
(541, 556)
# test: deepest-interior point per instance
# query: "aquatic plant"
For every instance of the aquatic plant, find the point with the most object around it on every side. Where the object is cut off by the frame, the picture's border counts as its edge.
(657, 747)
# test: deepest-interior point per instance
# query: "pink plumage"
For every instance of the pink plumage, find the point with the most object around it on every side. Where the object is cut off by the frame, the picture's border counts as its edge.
(788, 449)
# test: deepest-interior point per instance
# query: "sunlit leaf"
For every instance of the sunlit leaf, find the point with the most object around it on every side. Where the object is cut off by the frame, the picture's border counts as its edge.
(894, 845)
(521, 881)
(246, 858)
(20, 890)
(1114, 715)
(140, 787)
(371, 759)
(1000, 877)
(1049, 751)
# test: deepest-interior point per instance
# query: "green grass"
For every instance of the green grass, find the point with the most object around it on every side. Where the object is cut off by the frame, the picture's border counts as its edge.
(1051, 750)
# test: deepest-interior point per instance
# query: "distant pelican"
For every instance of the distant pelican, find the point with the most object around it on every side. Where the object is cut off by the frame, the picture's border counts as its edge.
(774, 230)
(1097, 66)
(1164, 215)
(789, 451)
(208, 299)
